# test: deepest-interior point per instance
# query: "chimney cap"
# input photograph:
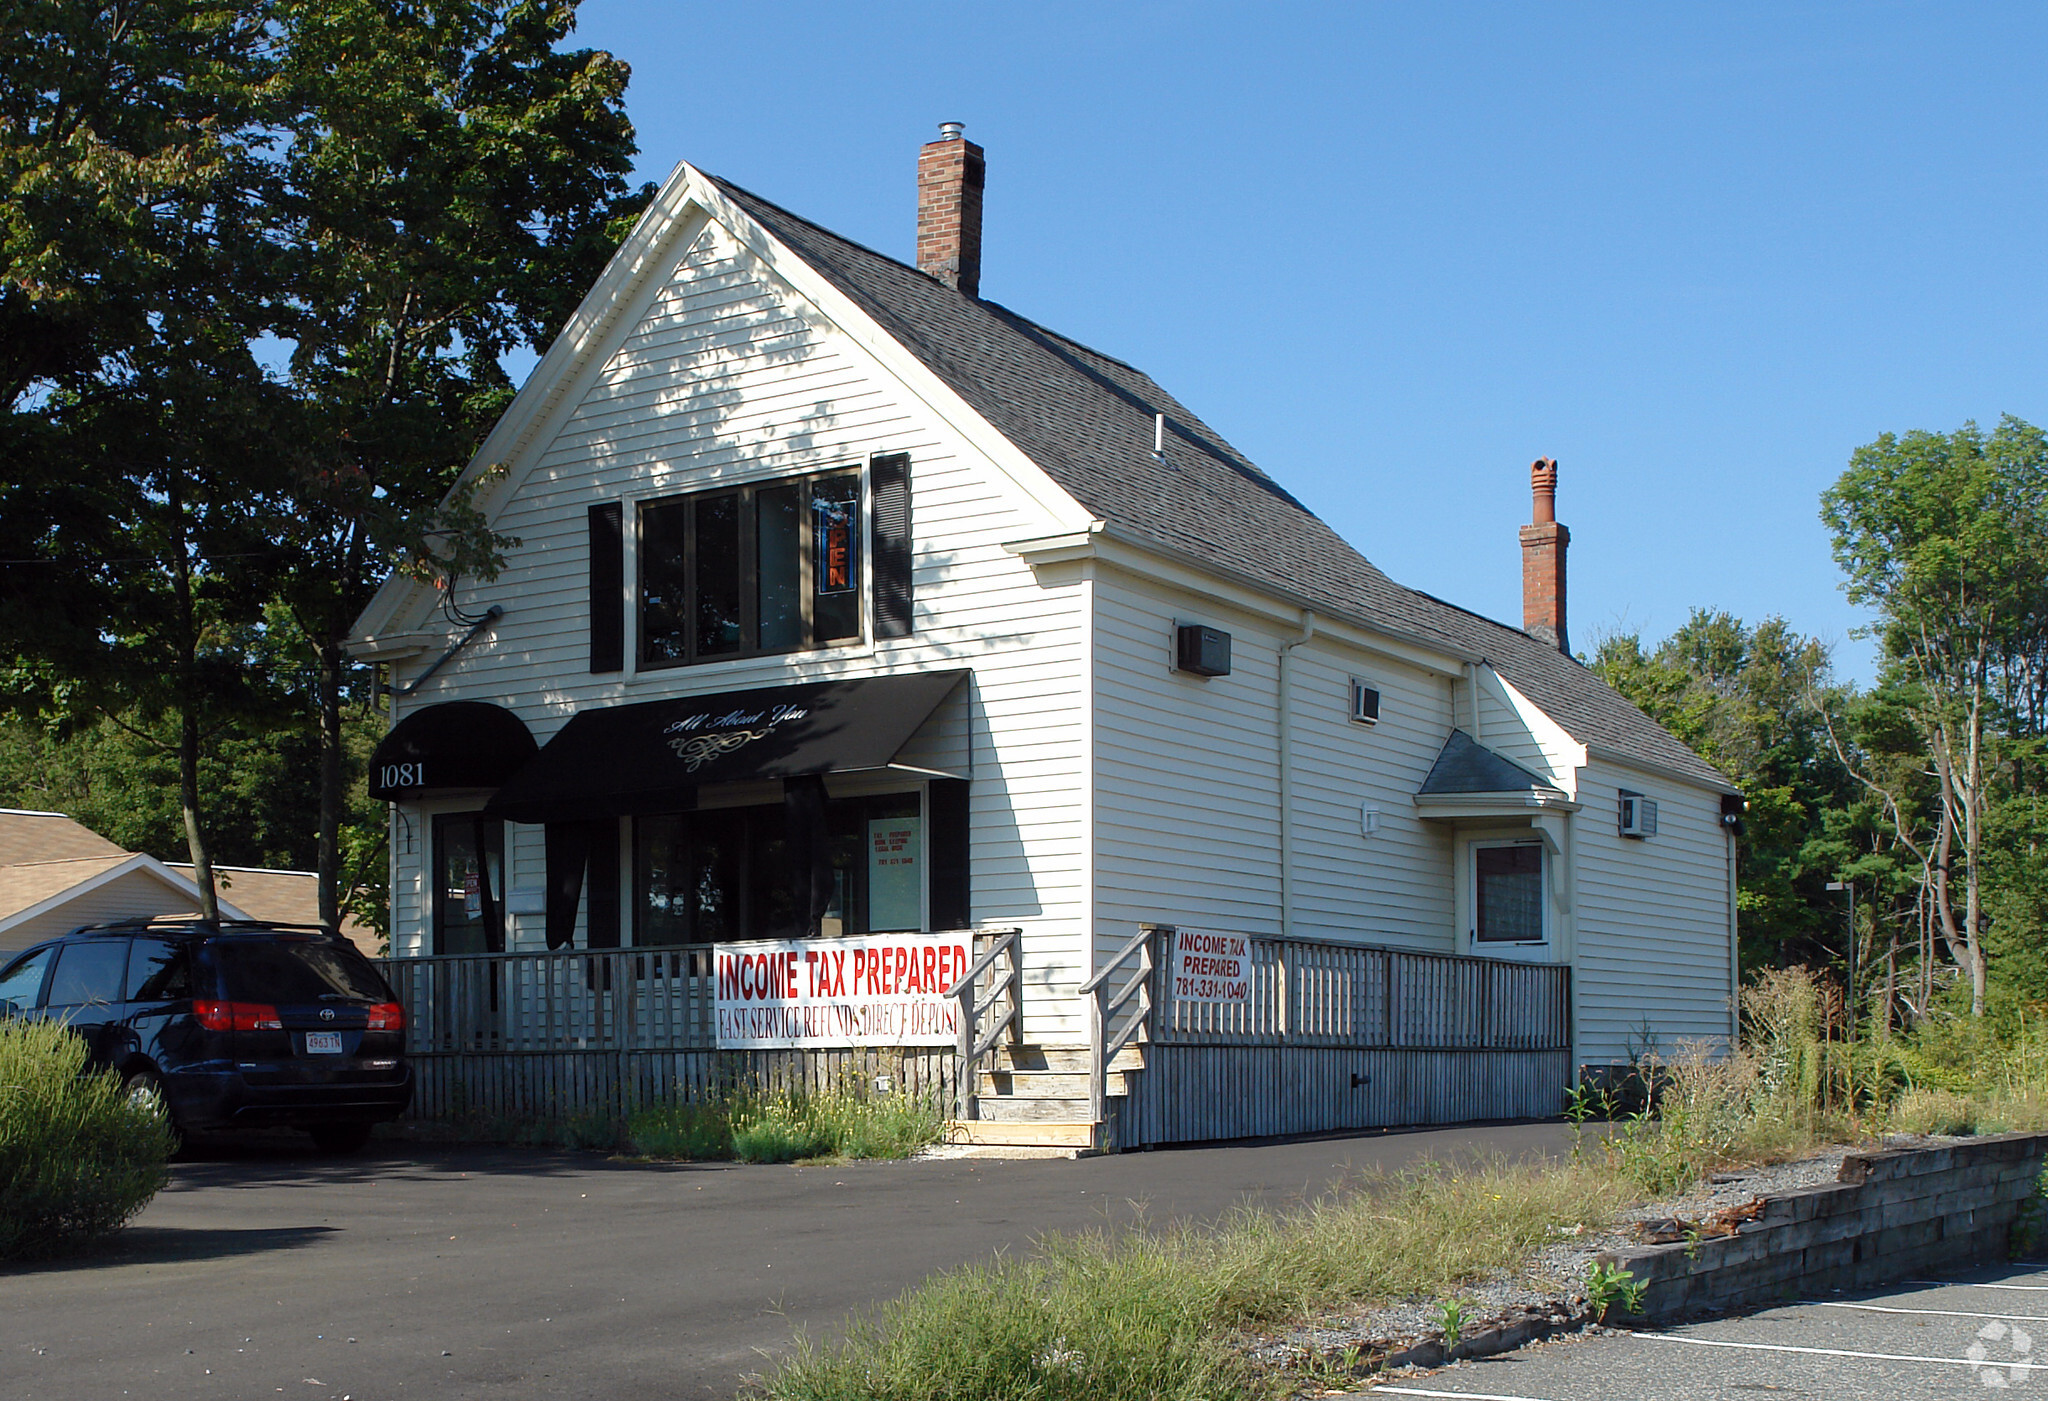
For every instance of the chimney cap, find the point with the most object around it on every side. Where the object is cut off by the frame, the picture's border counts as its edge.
(952, 131)
(1543, 474)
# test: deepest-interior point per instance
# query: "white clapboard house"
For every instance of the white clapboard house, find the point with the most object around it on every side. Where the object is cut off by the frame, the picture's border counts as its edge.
(846, 603)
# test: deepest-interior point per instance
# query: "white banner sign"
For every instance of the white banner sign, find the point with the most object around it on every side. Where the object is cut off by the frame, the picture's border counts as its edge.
(1209, 967)
(876, 990)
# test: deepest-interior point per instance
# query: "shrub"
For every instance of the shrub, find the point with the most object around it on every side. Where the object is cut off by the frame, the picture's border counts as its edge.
(1933, 1111)
(693, 1132)
(77, 1160)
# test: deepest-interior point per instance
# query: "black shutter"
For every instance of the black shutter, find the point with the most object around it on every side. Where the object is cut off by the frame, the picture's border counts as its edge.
(601, 911)
(952, 902)
(607, 584)
(890, 481)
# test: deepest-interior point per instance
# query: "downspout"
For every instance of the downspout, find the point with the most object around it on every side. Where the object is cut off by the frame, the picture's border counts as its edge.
(1286, 689)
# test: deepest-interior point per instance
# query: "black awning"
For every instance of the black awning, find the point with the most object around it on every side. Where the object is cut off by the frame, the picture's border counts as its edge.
(458, 744)
(629, 759)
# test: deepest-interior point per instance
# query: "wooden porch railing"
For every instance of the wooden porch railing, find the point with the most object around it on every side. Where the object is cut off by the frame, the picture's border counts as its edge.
(979, 993)
(1113, 997)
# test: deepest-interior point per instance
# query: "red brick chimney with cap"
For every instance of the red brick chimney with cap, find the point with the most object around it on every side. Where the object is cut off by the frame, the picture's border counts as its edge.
(1543, 544)
(949, 179)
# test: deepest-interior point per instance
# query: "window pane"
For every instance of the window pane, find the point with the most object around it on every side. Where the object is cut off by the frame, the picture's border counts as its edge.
(661, 865)
(835, 558)
(158, 972)
(89, 973)
(24, 980)
(778, 568)
(663, 578)
(719, 624)
(895, 873)
(296, 970)
(1510, 893)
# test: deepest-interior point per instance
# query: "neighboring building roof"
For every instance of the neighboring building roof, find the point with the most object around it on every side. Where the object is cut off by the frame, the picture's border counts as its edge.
(288, 897)
(27, 884)
(1086, 420)
(48, 836)
(1464, 765)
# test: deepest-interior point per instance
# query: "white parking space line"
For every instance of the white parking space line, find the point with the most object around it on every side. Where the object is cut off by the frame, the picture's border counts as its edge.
(1934, 1313)
(1964, 1284)
(1838, 1352)
(1462, 1395)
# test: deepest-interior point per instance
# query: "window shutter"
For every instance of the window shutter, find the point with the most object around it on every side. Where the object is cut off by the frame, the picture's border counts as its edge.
(946, 844)
(607, 585)
(890, 481)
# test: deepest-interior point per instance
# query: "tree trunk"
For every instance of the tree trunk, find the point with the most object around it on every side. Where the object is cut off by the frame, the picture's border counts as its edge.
(187, 641)
(332, 797)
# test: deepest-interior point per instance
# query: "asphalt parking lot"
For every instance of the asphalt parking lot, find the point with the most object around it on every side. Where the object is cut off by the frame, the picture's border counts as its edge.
(265, 1270)
(1986, 1331)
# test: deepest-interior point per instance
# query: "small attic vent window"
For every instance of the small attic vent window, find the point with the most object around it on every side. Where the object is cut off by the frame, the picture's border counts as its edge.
(1202, 651)
(1365, 703)
(1638, 815)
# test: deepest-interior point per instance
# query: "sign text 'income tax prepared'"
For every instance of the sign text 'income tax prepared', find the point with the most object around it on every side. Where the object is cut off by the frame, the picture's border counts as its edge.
(873, 990)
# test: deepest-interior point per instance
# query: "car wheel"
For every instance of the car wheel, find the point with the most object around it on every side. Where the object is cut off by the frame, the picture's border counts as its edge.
(339, 1138)
(145, 1091)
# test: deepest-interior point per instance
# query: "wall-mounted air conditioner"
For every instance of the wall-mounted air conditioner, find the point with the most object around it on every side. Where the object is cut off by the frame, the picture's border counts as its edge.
(1365, 702)
(1638, 815)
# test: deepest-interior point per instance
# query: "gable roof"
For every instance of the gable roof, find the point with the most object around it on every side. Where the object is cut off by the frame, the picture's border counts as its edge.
(1086, 420)
(48, 836)
(1464, 765)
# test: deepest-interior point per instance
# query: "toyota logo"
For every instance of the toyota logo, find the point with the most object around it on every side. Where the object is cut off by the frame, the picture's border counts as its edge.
(326, 1014)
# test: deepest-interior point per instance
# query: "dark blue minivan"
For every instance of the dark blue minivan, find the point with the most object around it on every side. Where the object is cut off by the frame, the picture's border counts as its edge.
(228, 1023)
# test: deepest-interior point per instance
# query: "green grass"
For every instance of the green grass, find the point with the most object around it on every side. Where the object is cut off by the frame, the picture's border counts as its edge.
(1134, 1313)
(784, 1125)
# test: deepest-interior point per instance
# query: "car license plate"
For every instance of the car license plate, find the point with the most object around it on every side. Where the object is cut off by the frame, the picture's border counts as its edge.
(323, 1043)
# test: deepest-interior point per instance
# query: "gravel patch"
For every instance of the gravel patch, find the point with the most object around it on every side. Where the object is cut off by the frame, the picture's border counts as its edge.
(1551, 1285)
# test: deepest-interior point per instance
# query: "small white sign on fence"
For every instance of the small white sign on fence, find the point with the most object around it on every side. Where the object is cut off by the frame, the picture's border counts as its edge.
(876, 990)
(1206, 966)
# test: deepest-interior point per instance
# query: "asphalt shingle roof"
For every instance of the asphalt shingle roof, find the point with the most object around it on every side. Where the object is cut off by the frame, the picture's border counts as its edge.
(1086, 420)
(1464, 765)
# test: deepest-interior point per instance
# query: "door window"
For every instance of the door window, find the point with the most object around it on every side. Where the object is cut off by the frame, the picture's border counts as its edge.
(24, 979)
(89, 973)
(469, 889)
(1508, 893)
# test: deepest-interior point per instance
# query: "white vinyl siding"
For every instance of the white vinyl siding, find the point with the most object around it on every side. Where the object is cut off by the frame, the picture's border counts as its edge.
(728, 378)
(1652, 919)
(1188, 788)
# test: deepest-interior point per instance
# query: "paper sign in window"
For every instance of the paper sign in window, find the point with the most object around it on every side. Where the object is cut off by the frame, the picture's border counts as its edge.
(895, 873)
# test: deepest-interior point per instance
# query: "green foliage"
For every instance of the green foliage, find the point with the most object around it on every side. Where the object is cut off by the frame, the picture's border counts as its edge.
(790, 1124)
(1451, 1317)
(1607, 1286)
(1753, 701)
(77, 1160)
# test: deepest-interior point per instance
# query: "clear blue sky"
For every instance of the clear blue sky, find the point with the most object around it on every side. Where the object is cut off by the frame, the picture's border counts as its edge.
(1697, 254)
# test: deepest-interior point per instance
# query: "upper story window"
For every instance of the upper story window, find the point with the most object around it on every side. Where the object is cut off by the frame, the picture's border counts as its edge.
(744, 571)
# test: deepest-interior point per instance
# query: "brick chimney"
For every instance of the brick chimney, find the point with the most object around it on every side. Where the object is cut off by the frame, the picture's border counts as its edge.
(1543, 543)
(949, 179)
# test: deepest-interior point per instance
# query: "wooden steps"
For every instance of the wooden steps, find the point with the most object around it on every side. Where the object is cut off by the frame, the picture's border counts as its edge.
(1037, 1096)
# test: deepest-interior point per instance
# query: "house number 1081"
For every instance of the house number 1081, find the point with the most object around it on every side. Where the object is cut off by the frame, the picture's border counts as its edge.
(403, 776)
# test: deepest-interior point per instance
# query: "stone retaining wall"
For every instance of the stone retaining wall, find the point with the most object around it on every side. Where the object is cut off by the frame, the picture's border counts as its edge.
(1891, 1216)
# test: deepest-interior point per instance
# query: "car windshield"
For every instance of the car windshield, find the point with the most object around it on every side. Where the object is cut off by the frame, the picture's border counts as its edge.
(296, 970)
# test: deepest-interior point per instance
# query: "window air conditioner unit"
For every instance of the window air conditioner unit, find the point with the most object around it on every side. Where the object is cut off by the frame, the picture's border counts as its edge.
(1638, 816)
(1202, 651)
(1365, 703)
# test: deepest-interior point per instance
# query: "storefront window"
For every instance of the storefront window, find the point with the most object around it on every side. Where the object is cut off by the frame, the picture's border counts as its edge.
(1508, 893)
(469, 890)
(758, 569)
(735, 873)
